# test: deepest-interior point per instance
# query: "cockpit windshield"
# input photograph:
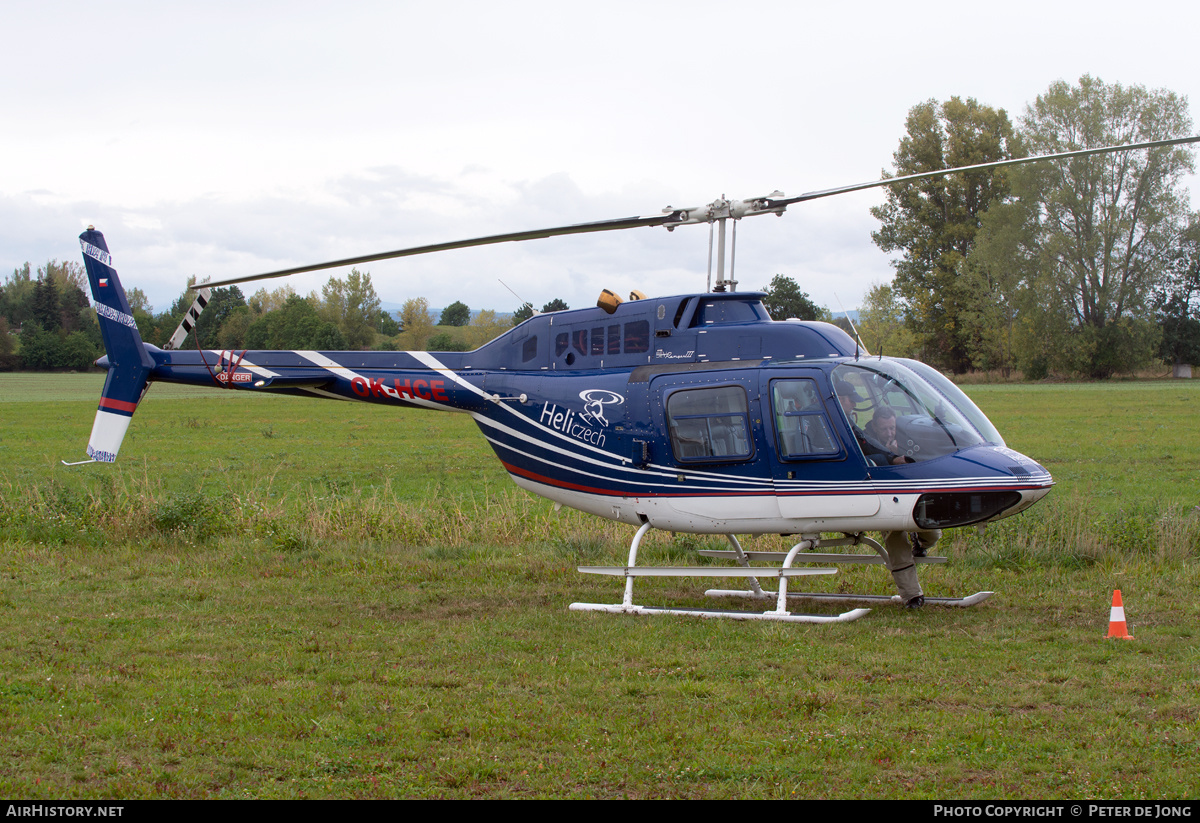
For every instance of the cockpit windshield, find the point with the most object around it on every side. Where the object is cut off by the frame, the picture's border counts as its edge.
(907, 409)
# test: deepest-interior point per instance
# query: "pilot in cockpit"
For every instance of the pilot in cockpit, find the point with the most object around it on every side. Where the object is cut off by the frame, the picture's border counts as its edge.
(876, 454)
(881, 428)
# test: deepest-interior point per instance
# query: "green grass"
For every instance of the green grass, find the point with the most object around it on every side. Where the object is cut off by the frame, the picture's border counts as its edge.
(1114, 443)
(272, 597)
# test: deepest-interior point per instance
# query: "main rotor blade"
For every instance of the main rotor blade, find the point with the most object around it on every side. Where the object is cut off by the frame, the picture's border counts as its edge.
(536, 234)
(874, 184)
(675, 217)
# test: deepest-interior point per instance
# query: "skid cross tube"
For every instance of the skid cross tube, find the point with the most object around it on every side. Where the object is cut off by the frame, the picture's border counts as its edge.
(631, 571)
(802, 553)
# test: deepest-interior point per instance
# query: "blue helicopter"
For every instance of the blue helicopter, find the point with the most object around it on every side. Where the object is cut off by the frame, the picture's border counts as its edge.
(692, 413)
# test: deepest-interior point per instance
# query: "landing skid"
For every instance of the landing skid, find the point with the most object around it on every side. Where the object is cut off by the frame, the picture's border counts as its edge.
(786, 617)
(800, 553)
(877, 599)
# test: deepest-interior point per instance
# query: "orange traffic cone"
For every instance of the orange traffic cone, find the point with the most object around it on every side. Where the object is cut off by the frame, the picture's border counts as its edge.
(1116, 619)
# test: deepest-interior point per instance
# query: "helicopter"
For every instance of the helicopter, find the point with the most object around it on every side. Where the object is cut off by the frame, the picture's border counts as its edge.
(693, 413)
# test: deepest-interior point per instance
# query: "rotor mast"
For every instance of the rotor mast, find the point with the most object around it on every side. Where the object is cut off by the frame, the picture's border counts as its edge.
(720, 212)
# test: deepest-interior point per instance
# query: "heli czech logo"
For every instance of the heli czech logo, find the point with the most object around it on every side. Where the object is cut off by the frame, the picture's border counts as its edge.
(594, 402)
(593, 416)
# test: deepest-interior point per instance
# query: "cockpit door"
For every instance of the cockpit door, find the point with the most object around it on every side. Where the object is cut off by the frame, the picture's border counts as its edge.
(817, 466)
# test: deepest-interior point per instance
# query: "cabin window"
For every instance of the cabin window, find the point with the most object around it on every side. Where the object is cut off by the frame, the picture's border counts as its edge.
(637, 337)
(718, 312)
(529, 349)
(634, 337)
(801, 427)
(711, 424)
(679, 311)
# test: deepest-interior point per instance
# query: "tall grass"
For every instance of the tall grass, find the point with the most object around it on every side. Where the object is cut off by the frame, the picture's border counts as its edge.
(1062, 531)
(1072, 531)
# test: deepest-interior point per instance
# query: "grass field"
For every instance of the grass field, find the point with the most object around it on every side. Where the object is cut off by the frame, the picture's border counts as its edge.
(274, 597)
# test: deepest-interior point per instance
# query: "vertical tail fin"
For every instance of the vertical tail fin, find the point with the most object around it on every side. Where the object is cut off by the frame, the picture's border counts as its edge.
(129, 364)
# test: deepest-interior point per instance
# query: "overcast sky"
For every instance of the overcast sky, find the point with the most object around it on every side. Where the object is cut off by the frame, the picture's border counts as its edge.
(223, 139)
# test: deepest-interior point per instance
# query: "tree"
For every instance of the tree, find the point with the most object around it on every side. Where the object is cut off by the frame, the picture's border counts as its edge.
(487, 326)
(263, 301)
(933, 222)
(522, 314)
(556, 304)
(232, 334)
(881, 323)
(8, 357)
(1104, 228)
(70, 281)
(296, 325)
(46, 311)
(138, 300)
(67, 276)
(41, 350)
(352, 306)
(445, 341)
(16, 296)
(1006, 325)
(416, 324)
(77, 352)
(1178, 302)
(456, 314)
(386, 324)
(784, 300)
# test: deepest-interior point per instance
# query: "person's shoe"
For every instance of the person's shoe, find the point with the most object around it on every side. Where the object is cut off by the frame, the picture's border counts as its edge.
(918, 549)
(916, 602)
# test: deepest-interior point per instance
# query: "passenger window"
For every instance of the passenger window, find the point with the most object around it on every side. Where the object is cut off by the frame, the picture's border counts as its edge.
(709, 424)
(529, 349)
(801, 426)
(598, 341)
(637, 337)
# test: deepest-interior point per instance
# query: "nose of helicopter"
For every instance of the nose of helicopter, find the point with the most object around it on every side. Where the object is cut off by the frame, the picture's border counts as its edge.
(1008, 461)
(981, 484)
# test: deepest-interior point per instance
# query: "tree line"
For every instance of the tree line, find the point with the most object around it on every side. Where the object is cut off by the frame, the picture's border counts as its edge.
(1087, 267)
(47, 322)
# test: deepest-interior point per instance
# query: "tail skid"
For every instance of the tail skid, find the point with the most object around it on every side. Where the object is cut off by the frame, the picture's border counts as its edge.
(129, 364)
